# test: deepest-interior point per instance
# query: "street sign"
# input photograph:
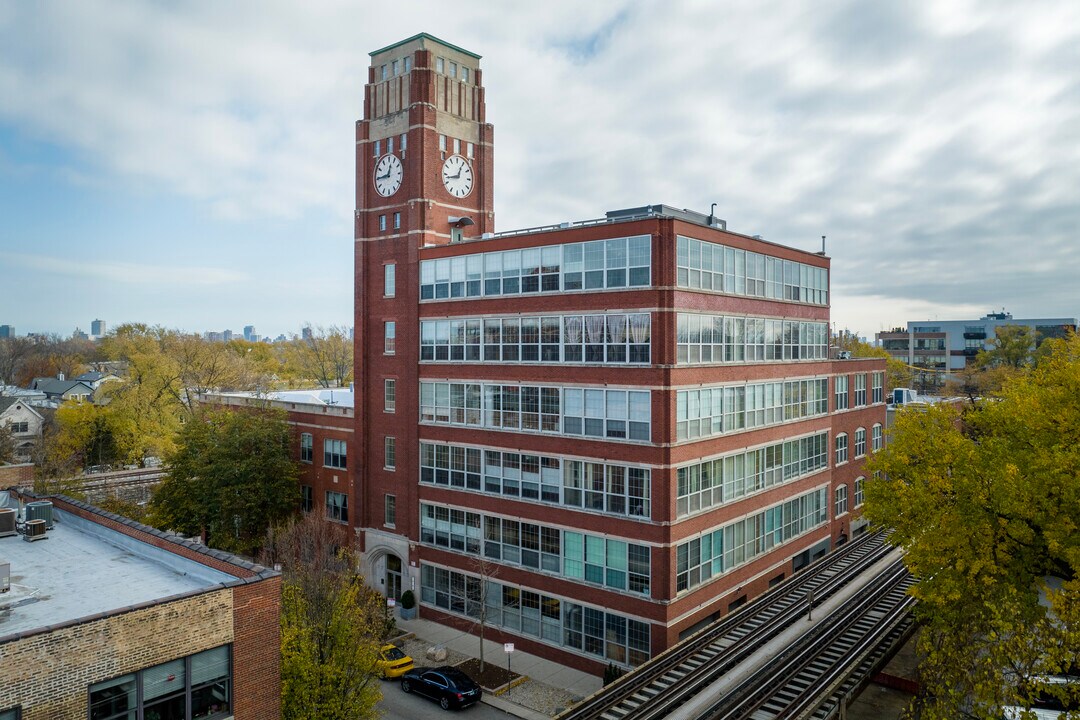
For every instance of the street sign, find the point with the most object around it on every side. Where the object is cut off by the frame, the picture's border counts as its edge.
(508, 648)
(390, 602)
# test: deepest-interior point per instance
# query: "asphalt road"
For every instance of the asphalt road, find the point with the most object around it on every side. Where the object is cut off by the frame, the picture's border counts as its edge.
(396, 705)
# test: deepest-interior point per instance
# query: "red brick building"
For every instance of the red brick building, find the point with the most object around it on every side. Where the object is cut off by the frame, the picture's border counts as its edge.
(603, 433)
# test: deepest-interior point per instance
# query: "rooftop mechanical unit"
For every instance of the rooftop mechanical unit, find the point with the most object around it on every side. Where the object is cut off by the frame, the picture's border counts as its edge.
(7, 522)
(5, 577)
(34, 530)
(40, 510)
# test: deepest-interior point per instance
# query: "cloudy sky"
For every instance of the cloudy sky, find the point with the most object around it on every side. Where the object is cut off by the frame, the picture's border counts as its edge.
(191, 164)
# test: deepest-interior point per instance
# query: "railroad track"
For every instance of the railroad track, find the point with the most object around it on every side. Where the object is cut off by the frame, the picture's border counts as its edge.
(813, 677)
(660, 686)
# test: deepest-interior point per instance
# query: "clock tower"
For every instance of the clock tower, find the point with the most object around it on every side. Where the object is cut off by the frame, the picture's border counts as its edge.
(423, 179)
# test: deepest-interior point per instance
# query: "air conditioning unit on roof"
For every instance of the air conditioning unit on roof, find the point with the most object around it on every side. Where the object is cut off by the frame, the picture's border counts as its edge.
(34, 530)
(7, 522)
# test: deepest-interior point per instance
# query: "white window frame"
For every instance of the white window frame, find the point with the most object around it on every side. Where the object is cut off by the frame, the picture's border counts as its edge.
(841, 445)
(840, 499)
(860, 442)
(389, 337)
(859, 491)
(876, 437)
(389, 280)
(390, 395)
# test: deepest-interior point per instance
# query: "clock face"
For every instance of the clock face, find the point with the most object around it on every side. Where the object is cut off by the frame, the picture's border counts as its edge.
(457, 176)
(388, 174)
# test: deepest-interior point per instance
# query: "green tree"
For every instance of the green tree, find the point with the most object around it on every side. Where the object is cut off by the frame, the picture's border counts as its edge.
(1012, 346)
(897, 372)
(231, 477)
(7, 444)
(987, 506)
(332, 625)
(325, 356)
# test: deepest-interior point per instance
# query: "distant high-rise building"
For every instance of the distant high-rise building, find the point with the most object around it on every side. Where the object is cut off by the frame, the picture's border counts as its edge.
(7, 331)
(79, 335)
(305, 333)
(249, 333)
(97, 328)
(213, 336)
(227, 335)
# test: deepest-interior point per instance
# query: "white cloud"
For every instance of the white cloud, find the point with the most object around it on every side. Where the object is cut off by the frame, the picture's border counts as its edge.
(937, 148)
(127, 273)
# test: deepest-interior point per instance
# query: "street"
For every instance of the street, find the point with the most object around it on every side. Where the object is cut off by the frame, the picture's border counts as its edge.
(398, 706)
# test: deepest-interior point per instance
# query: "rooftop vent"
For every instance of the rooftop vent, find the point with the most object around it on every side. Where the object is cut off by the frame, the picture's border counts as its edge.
(7, 522)
(34, 530)
(40, 510)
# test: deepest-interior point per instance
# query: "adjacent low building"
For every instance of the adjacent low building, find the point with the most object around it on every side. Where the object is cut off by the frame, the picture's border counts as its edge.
(106, 618)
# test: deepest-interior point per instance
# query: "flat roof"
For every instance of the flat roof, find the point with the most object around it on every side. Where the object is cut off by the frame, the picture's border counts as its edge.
(328, 397)
(84, 568)
(424, 36)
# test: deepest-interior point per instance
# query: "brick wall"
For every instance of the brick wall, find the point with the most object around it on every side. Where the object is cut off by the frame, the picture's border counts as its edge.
(257, 650)
(17, 475)
(49, 673)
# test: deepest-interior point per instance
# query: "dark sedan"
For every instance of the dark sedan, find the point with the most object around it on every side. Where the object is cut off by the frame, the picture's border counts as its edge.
(451, 687)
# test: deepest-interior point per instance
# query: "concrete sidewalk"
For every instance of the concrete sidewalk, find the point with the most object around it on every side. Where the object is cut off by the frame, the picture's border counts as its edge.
(544, 671)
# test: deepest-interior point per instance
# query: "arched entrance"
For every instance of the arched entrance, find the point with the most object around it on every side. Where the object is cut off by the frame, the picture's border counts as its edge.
(393, 576)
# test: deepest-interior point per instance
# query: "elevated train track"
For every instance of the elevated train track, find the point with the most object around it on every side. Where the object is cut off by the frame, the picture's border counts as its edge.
(658, 688)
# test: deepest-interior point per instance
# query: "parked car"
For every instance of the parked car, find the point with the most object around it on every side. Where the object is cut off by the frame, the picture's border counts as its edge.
(451, 687)
(392, 662)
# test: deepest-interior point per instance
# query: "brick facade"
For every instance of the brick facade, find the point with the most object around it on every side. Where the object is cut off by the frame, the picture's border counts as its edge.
(16, 475)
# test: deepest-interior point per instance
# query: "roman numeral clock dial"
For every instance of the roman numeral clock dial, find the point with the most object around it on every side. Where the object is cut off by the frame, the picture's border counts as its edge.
(388, 174)
(457, 176)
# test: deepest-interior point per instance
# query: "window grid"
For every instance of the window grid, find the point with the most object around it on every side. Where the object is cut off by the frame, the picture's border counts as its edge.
(390, 395)
(618, 338)
(592, 412)
(201, 682)
(738, 543)
(595, 486)
(841, 448)
(714, 411)
(716, 268)
(841, 385)
(721, 339)
(389, 337)
(337, 506)
(594, 265)
(334, 454)
(728, 478)
(389, 280)
(578, 628)
(878, 384)
(860, 442)
(389, 510)
(860, 389)
(859, 491)
(389, 453)
(875, 434)
(307, 449)
(841, 501)
(594, 559)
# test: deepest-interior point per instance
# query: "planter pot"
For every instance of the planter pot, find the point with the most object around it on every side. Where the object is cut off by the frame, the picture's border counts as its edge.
(407, 614)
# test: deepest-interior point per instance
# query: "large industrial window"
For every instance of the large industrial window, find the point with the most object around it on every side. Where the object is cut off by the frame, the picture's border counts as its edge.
(202, 682)
(841, 392)
(307, 451)
(860, 442)
(337, 506)
(334, 452)
(860, 389)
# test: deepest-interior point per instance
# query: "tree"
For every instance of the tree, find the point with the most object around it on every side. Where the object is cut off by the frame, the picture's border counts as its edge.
(331, 624)
(230, 478)
(7, 444)
(325, 355)
(1012, 346)
(897, 372)
(987, 508)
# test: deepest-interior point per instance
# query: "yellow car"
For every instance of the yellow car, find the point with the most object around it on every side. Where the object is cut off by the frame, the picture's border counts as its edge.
(392, 663)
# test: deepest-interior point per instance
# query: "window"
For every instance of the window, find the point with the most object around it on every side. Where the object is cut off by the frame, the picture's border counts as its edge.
(390, 395)
(860, 389)
(841, 501)
(307, 450)
(337, 507)
(717, 410)
(859, 491)
(378, 148)
(469, 150)
(404, 143)
(203, 681)
(875, 437)
(715, 268)
(442, 143)
(860, 442)
(841, 448)
(396, 67)
(457, 146)
(334, 454)
(307, 498)
(439, 64)
(878, 380)
(385, 72)
(14, 713)
(389, 280)
(397, 221)
(389, 335)
(841, 385)
(19, 427)
(408, 65)
(389, 453)
(382, 223)
(453, 69)
(464, 74)
(718, 339)
(390, 145)
(389, 510)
